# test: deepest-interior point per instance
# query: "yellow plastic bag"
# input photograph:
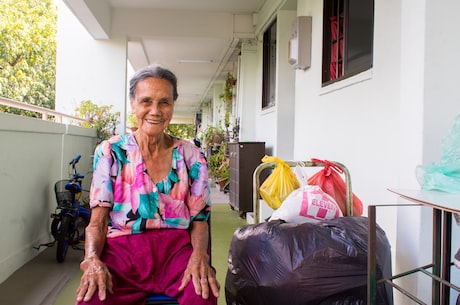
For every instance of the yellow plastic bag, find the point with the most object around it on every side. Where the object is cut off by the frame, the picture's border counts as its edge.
(281, 182)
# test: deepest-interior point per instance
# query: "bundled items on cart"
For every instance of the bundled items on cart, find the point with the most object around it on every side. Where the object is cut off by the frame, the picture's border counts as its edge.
(278, 263)
(299, 198)
(319, 261)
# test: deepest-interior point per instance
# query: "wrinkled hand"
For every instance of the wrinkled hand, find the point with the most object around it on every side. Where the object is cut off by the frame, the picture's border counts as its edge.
(203, 276)
(95, 276)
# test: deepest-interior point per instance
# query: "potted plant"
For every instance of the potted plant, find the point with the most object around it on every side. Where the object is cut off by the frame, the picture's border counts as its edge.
(218, 167)
(227, 97)
(230, 82)
(223, 174)
(213, 136)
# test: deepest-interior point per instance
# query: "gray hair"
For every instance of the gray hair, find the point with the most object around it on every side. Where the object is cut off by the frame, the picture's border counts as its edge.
(154, 71)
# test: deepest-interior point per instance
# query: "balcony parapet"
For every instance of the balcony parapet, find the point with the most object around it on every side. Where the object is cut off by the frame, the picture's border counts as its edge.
(45, 112)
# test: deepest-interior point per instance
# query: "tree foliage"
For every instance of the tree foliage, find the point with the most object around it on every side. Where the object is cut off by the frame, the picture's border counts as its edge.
(100, 117)
(28, 52)
(183, 131)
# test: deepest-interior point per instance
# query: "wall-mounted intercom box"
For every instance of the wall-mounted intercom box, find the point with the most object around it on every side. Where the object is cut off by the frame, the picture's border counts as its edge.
(300, 43)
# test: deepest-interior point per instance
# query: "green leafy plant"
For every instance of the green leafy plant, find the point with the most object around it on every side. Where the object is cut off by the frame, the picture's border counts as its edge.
(224, 173)
(212, 136)
(182, 131)
(214, 162)
(219, 167)
(131, 121)
(99, 117)
(227, 97)
(230, 82)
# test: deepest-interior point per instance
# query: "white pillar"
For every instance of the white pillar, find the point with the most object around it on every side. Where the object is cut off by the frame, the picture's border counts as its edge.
(248, 85)
(89, 69)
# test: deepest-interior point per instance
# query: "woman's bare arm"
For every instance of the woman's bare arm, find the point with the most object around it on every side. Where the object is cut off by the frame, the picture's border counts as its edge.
(95, 276)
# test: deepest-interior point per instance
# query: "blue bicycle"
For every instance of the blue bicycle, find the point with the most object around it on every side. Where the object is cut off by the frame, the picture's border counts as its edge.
(70, 218)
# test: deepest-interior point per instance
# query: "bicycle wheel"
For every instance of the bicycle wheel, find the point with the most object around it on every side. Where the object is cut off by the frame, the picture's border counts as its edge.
(83, 221)
(55, 226)
(62, 238)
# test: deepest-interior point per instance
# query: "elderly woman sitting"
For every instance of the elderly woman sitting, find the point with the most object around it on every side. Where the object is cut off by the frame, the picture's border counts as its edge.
(150, 204)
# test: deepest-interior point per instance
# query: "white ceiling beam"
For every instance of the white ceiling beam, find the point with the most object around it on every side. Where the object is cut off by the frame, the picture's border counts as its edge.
(94, 15)
(137, 54)
(157, 23)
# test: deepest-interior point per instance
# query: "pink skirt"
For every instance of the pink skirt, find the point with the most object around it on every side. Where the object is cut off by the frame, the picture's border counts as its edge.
(151, 262)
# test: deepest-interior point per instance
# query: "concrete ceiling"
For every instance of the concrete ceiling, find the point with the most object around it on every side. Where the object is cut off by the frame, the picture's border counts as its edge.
(198, 40)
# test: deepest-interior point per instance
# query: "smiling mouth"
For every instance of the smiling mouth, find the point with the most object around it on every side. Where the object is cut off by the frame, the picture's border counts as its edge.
(154, 121)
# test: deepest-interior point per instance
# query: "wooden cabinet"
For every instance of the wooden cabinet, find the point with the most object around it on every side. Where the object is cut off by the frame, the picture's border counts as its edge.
(244, 158)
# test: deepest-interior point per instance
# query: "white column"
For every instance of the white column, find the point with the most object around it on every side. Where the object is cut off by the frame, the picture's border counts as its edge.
(285, 87)
(248, 85)
(89, 69)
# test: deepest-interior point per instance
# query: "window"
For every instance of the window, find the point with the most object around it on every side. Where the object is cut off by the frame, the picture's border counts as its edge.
(269, 67)
(348, 36)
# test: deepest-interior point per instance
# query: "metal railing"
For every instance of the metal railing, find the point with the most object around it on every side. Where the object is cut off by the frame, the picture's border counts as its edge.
(45, 113)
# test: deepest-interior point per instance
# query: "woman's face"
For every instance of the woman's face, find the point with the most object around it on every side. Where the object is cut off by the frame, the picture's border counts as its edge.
(153, 105)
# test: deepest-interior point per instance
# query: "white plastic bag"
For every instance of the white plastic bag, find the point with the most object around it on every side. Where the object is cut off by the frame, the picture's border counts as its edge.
(307, 204)
(301, 174)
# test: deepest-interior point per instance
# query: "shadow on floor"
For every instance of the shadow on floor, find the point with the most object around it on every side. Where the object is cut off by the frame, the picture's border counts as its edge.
(41, 280)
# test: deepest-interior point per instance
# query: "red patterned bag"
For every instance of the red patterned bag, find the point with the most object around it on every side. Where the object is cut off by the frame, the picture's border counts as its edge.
(331, 182)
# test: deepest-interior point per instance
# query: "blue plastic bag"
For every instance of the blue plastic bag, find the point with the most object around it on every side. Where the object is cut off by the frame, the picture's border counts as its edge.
(444, 177)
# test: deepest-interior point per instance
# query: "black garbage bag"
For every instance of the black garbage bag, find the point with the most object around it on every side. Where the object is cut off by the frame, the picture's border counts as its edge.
(279, 263)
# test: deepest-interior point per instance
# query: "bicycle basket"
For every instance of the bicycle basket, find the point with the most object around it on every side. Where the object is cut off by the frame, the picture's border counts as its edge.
(64, 198)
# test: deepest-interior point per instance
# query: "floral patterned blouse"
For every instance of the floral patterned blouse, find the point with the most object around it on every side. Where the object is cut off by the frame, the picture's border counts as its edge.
(120, 182)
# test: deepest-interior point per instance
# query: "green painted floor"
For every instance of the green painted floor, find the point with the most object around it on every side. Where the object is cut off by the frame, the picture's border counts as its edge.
(223, 223)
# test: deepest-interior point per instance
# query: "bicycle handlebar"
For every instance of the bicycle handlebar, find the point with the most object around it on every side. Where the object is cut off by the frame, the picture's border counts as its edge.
(75, 160)
(75, 175)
